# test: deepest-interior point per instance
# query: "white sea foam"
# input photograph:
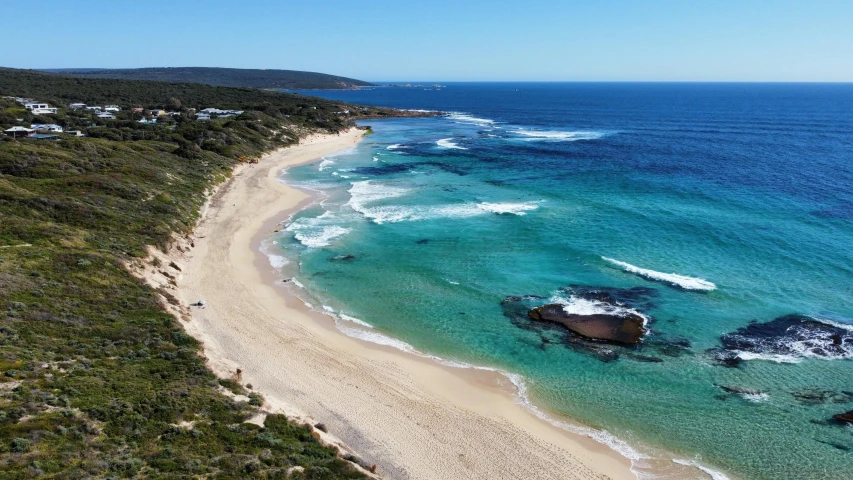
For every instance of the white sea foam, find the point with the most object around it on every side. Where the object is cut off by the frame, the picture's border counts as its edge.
(466, 118)
(355, 320)
(513, 208)
(682, 281)
(582, 306)
(328, 309)
(555, 135)
(375, 159)
(400, 213)
(277, 261)
(832, 323)
(367, 191)
(396, 146)
(323, 238)
(770, 357)
(448, 143)
(326, 163)
(715, 475)
(316, 232)
(756, 397)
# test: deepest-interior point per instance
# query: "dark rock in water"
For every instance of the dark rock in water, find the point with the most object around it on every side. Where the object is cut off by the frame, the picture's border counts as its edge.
(671, 347)
(343, 258)
(625, 329)
(725, 358)
(741, 391)
(839, 446)
(817, 396)
(844, 417)
(517, 308)
(644, 358)
(422, 241)
(794, 335)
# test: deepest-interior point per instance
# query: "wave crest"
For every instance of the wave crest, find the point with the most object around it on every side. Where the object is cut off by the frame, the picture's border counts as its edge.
(511, 208)
(449, 143)
(556, 135)
(680, 281)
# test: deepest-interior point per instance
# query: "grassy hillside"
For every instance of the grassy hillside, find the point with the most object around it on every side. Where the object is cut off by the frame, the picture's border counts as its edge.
(225, 77)
(96, 379)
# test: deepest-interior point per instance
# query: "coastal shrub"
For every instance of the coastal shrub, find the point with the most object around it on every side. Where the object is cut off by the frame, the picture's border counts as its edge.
(98, 380)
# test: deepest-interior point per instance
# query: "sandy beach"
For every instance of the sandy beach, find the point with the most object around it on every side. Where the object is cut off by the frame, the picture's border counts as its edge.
(409, 415)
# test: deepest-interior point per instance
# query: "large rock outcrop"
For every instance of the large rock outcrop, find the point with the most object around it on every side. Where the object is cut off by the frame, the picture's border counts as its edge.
(625, 329)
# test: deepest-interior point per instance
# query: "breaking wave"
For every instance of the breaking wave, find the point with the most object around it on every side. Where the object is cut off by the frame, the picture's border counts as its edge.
(326, 163)
(448, 143)
(395, 146)
(511, 208)
(317, 232)
(466, 118)
(574, 305)
(556, 135)
(680, 281)
(715, 475)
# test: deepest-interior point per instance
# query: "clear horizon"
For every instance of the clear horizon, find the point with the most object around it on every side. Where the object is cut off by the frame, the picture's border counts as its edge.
(540, 41)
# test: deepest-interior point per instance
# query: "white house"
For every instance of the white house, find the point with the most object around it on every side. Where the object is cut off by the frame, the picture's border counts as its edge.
(74, 133)
(40, 108)
(203, 116)
(222, 113)
(76, 106)
(46, 127)
(106, 116)
(112, 108)
(94, 108)
(146, 121)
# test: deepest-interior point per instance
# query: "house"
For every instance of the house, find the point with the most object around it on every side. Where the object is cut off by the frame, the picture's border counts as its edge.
(18, 132)
(94, 108)
(148, 121)
(46, 127)
(137, 109)
(215, 112)
(203, 116)
(77, 106)
(106, 116)
(112, 108)
(157, 112)
(40, 108)
(75, 133)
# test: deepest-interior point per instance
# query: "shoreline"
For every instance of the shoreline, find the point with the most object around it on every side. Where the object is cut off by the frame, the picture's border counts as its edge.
(445, 422)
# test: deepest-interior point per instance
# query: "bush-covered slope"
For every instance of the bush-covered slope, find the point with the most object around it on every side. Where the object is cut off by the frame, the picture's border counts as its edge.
(224, 77)
(96, 379)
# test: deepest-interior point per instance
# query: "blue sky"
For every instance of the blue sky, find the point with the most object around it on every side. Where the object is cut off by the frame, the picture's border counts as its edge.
(534, 40)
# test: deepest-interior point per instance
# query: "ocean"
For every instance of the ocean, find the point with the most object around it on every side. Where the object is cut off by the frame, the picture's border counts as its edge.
(720, 214)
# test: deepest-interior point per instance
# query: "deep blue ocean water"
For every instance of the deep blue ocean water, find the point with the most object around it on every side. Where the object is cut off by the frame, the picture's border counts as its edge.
(429, 225)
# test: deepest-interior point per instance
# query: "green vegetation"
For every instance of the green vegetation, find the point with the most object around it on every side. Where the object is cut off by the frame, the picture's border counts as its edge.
(96, 379)
(225, 77)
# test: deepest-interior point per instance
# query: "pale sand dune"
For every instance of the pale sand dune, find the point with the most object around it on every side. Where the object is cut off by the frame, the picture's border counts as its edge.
(409, 415)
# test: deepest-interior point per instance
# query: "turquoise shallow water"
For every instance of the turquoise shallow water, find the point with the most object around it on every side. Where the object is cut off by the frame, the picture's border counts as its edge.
(427, 226)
